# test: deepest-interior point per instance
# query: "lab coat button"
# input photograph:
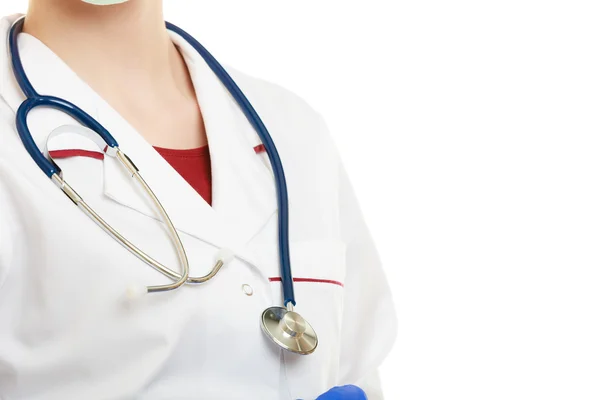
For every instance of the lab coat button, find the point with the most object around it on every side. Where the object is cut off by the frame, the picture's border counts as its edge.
(247, 289)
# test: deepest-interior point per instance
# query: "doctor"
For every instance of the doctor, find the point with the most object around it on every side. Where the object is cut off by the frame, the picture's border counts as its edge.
(71, 326)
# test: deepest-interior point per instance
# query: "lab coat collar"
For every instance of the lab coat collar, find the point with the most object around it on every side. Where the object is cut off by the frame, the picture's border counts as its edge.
(244, 195)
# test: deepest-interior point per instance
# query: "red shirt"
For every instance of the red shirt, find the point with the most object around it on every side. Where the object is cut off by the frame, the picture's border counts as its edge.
(194, 166)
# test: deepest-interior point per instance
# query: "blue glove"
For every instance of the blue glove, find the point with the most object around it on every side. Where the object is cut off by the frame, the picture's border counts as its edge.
(348, 392)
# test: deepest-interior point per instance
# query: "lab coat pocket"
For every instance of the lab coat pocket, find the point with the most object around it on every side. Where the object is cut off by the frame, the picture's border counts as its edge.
(319, 268)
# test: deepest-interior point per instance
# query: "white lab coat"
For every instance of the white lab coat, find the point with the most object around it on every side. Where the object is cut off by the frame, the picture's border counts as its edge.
(66, 329)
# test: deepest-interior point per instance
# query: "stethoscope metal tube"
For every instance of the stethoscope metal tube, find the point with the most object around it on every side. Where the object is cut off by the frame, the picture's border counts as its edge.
(180, 279)
(282, 325)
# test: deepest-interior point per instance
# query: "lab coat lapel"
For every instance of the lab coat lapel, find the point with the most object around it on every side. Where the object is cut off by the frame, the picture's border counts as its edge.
(243, 189)
(244, 194)
(187, 210)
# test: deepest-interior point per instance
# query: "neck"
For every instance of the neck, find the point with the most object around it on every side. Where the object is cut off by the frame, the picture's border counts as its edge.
(132, 32)
(108, 46)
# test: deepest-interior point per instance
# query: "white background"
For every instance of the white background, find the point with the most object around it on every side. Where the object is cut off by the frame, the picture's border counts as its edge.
(471, 132)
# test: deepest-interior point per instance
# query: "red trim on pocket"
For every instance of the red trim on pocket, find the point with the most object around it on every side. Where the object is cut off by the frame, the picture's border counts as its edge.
(310, 280)
(76, 153)
(260, 148)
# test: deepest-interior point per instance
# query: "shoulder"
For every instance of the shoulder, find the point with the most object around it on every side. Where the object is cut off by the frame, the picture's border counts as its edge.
(283, 111)
(273, 95)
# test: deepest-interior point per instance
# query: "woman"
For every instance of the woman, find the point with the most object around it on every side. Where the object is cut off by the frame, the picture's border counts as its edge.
(67, 330)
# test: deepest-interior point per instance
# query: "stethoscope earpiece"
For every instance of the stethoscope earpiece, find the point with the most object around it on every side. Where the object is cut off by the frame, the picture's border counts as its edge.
(136, 292)
(225, 255)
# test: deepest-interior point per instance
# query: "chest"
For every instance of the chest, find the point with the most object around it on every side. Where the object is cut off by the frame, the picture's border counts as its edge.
(67, 290)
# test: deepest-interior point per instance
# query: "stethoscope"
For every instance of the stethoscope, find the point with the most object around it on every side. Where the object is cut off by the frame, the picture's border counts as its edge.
(281, 324)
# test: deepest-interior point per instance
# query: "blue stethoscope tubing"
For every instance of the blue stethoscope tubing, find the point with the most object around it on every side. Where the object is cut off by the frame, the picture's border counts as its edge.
(284, 326)
(34, 100)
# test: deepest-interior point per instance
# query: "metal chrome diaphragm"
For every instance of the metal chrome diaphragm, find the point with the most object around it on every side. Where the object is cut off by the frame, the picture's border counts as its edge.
(289, 330)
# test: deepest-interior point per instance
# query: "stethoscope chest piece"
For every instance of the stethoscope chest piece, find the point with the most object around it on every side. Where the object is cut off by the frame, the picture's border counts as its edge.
(289, 330)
